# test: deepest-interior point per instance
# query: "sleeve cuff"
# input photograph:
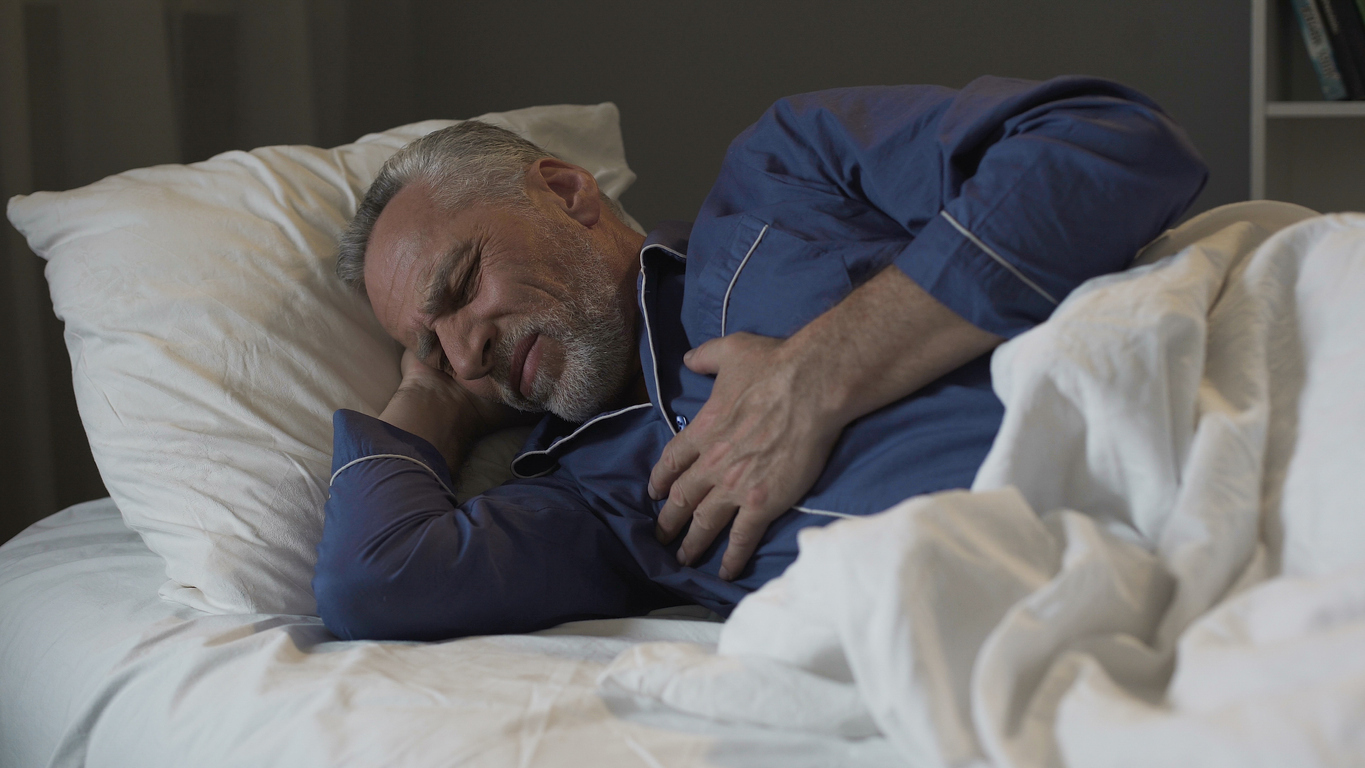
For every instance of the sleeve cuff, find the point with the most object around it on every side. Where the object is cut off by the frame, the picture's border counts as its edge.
(357, 436)
(971, 282)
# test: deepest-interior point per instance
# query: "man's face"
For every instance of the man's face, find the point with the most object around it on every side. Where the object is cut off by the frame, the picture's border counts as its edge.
(517, 304)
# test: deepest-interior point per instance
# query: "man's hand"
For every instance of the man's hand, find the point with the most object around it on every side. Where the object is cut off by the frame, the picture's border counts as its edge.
(436, 408)
(753, 450)
(777, 408)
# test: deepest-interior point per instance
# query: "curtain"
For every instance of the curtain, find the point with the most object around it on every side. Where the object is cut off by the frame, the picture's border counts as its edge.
(94, 87)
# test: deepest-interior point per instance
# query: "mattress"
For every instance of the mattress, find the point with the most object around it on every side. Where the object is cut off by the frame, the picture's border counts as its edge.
(96, 670)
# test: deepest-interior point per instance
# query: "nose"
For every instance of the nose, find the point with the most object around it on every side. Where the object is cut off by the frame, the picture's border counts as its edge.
(468, 345)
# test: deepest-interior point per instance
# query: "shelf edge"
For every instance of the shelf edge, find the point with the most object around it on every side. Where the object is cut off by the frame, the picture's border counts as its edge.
(1315, 109)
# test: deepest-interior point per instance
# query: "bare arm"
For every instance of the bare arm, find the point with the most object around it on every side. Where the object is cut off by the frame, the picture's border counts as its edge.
(884, 341)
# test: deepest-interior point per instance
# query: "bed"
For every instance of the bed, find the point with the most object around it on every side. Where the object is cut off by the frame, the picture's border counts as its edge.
(1160, 561)
(96, 670)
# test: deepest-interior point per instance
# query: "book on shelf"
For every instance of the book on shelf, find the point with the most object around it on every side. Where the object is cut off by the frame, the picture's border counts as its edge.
(1359, 14)
(1346, 33)
(1314, 30)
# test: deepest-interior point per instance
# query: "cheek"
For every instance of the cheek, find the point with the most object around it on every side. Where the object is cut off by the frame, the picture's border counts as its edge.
(498, 295)
(520, 292)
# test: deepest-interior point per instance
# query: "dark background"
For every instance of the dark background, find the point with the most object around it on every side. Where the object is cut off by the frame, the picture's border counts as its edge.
(687, 75)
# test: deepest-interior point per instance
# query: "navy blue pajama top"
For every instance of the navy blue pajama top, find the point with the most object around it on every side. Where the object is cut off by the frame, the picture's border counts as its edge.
(997, 199)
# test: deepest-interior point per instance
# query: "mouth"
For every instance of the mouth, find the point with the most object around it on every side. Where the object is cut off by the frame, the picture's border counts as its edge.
(525, 361)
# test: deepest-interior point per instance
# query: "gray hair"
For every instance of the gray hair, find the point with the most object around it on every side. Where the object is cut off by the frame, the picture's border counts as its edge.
(464, 164)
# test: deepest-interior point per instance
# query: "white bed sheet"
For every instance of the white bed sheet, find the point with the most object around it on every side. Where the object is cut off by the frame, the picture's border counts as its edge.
(96, 670)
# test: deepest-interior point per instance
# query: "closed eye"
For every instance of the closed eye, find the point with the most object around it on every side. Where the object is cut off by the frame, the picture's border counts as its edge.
(427, 345)
(443, 365)
(455, 281)
(431, 354)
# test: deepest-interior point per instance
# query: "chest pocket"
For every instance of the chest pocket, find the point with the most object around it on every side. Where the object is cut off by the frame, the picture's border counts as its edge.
(778, 282)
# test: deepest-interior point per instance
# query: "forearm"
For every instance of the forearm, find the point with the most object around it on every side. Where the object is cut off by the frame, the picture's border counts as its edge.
(400, 559)
(436, 417)
(882, 342)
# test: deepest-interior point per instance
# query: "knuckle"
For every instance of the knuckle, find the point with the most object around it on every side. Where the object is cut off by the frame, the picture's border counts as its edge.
(743, 536)
(704, 524)
(668, 461)
(757, 497)
(677, 497)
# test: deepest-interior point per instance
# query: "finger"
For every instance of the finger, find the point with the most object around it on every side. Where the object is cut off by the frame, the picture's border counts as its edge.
(706, 359)
(708, 521)
(676, 458)
(686, 494)
(745, 534)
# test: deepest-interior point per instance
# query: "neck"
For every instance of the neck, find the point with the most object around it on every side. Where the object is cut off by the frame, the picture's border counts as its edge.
(624, 256)
(626, 243)
(639, 393)
(635, 393)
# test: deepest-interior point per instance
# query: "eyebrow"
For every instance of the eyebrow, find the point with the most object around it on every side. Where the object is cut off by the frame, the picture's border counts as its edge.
(426, 343)
(441, 297)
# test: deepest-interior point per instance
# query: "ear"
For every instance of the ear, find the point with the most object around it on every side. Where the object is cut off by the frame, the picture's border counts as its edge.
(567, 187)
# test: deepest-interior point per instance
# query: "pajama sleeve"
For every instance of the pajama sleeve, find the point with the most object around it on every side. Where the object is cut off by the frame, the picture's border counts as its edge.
(400, 559)
(1007, 194)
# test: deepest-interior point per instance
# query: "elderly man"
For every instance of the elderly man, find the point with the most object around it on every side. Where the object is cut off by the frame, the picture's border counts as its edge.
(815, 346)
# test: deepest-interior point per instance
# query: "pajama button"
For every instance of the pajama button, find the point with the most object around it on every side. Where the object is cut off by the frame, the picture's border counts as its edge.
(681, 421)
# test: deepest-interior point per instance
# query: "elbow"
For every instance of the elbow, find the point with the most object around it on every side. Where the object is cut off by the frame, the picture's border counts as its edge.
(1176, 172)
(346, 596)
(364, 599)
(391, 555)
(358, 580)
(373, 585)
(1189, 172)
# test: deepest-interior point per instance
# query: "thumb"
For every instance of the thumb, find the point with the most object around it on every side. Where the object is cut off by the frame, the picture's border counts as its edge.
(706, 358)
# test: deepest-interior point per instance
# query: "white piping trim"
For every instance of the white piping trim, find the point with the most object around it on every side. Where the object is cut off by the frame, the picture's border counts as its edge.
(665, 249)
(725, 304)
(546, 450)
(653, 351)
(418, 462)
(824, 512)
(1013, 270)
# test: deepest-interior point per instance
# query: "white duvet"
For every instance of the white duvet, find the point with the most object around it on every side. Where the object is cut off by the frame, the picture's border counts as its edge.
(1162, 560)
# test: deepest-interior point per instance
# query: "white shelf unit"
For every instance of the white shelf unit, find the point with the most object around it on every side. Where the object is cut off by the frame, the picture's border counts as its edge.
(1303, 149)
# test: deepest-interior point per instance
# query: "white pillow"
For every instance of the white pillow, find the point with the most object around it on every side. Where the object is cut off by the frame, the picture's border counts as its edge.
(210, 343)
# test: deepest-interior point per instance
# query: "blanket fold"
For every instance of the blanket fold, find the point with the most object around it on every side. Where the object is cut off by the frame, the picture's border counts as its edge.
(1162, 560)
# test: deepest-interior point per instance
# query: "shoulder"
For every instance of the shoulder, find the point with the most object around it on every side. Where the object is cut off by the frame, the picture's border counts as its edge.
(804, 120)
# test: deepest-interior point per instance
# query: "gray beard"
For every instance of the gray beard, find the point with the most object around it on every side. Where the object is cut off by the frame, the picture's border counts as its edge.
(591, 326)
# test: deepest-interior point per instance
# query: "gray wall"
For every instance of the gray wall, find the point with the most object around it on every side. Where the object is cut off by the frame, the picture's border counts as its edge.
(687, 75)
